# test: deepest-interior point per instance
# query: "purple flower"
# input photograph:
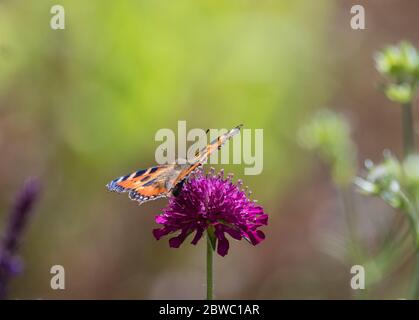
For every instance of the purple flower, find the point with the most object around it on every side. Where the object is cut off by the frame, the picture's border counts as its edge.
(10, 263)
(214, 204)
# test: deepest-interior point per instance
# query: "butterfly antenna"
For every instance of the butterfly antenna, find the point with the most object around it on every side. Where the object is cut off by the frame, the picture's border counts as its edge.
(235, 130)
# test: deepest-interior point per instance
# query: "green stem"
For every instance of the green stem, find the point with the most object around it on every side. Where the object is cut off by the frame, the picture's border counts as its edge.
(415, 277)
(407, 127)
(209, 269)
(413, 219)
(409, 146)
(415, 280)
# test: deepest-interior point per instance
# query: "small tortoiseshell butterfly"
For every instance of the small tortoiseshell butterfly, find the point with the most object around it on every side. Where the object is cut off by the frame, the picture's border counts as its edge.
(164, 180)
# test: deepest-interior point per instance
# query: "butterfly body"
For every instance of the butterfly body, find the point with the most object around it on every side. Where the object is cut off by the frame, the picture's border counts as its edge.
(165, 180)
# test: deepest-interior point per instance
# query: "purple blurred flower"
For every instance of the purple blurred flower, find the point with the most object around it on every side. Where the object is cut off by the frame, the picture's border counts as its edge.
(10, 263)
(210, 202)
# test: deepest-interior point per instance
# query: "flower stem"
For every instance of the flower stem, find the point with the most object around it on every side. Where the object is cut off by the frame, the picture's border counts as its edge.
(415, 277)
(209, 269)
(415, 280)
(407, 127)
(412, 214)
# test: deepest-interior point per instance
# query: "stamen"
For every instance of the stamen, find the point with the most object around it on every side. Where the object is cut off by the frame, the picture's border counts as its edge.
(221, 174)
(212, 171)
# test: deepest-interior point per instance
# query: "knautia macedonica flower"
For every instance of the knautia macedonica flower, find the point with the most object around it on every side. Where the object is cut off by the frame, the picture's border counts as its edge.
(210, 202)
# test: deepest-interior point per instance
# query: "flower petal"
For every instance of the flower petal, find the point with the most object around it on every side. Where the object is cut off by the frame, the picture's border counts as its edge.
(263, 219)
(255, 236)
(198, 236)
(160, 219)
(236, 234)
(158, 233)
(223, 244)
(175, 242)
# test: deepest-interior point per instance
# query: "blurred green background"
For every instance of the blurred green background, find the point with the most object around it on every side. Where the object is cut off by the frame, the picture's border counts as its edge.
(81, 106)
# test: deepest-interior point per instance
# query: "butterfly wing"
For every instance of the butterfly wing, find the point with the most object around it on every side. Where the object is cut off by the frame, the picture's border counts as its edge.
(204, 153)
(143, 185)
(149, 184)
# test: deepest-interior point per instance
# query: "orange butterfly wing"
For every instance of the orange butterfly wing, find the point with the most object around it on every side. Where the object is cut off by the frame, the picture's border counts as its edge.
(149, 184)
(143, 185)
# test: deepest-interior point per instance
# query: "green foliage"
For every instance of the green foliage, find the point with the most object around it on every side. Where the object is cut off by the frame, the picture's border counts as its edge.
(328, 134)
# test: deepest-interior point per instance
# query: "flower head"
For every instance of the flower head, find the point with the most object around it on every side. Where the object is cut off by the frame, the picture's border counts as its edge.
(399, 65)
(399, 62)
(328, 134)
(212, 203)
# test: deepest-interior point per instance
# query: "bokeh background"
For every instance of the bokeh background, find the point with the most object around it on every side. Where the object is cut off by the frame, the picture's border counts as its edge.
(81, 106)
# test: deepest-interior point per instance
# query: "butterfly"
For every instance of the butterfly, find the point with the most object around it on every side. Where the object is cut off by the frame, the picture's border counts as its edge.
(165, 180)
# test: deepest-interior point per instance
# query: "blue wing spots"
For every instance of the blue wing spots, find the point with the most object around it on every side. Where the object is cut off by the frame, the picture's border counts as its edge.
(134, 195)
(113, 186)
(121, 178)
(154, 169)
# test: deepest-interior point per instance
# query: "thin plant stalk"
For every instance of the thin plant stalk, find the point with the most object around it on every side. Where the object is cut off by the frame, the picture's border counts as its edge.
(407, 127)
(409, 146)
(413, 220)
(209, 269)
(415, 280)
(415, 277)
